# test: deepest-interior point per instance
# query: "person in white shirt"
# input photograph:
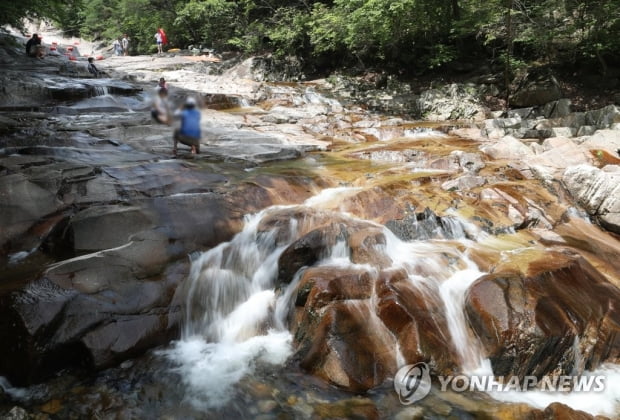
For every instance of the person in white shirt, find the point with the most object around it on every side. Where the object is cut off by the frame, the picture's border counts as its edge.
(160, 41)
(118, 48)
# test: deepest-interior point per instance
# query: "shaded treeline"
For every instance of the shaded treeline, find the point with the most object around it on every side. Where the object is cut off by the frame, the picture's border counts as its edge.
(400, 36)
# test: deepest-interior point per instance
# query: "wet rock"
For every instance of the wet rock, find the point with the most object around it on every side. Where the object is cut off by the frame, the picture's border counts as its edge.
(416, 317)
(425, 225)
(339, 344)
(548, 320)
(103, 227)
(23, 203)
(561, 411)
(304, 252)
(367, 246)
(354, 409)
(464, 183)
(89, 312)
(362, 240)
(377, 204)
(319, 286)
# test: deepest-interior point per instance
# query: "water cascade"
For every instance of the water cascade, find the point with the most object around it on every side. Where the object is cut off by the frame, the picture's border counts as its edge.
(234, 317)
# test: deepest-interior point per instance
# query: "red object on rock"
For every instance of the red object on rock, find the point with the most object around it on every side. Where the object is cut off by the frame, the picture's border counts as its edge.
(100, 57)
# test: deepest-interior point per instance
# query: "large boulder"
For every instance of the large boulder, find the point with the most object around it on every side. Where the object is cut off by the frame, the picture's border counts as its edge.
(536, 89)
(89, 312)
(452, 101)
(597, 190)
(361, 241)
(353, 327)
(559, 317)
(338, 336)
(23, 203)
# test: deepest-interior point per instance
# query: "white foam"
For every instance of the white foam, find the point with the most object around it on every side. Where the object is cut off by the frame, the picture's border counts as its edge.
(606, 402)
(211, 370)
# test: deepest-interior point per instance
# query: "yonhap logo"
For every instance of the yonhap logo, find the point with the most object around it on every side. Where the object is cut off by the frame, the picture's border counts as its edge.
(412, 383)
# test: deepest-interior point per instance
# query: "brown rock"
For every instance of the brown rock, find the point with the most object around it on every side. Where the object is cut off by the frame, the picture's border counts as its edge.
(417, 319)
(528, 324)
(343, 346)
(559, 411)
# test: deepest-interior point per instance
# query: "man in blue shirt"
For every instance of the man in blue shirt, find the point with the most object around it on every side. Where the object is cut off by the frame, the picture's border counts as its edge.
(189, 132)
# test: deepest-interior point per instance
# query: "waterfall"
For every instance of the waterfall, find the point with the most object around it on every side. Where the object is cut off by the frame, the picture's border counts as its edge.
(234, 318)
(452, 292)
(100, 90)
(229, 323)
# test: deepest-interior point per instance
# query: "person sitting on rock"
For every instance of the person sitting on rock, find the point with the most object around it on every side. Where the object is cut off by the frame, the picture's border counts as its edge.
(189, 132)
(33, 47)
(161, 108)
(162, 83)
(92, 69)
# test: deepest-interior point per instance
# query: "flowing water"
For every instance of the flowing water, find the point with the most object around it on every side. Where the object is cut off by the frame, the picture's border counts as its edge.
(236, 321)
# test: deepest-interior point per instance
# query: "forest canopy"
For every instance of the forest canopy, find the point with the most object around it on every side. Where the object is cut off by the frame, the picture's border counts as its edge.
(410, 36)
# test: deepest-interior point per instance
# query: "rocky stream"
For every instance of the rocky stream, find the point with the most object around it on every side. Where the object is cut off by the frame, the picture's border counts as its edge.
(326, 235)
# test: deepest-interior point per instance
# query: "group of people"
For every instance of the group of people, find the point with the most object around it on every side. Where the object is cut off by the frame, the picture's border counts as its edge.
(189, 131)
(36, 50)
(121, 46)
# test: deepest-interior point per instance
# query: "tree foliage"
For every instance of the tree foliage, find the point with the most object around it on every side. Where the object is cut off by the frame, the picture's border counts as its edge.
(398, 35)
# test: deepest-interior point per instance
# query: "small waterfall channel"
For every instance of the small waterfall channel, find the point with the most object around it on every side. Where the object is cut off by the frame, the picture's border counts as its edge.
(236, 320)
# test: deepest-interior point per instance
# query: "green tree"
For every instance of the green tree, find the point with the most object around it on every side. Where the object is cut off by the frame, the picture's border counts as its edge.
(207, 22)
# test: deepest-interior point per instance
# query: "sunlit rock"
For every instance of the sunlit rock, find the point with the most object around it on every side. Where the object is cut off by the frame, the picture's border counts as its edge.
(507, 147)
(598, 191)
